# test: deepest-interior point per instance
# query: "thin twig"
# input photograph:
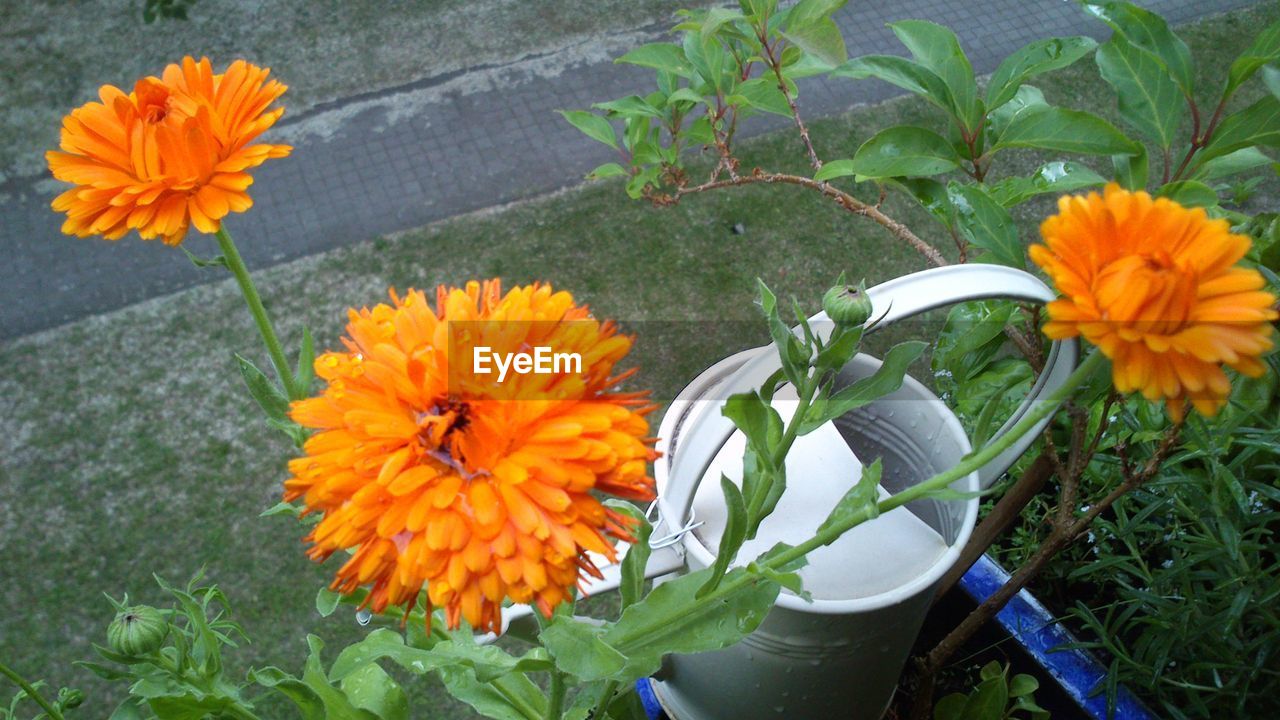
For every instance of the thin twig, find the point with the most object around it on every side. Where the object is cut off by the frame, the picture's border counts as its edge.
(841, 198)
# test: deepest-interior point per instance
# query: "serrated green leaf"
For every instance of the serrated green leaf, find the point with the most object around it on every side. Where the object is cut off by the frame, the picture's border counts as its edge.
(578, 649)
(905, 151)
(671, 619)
(1149, 100)
(592, 125)
(1038, 57)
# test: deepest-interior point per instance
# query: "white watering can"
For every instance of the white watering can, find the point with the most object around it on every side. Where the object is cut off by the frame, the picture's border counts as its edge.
(841, 654)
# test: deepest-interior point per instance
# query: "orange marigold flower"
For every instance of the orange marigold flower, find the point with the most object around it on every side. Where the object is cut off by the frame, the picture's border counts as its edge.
(435, 475)
(1156, 287)
(171, 154)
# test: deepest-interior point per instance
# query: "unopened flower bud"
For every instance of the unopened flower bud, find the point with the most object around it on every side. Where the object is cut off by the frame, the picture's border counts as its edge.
(847, 305)
(138, 630)
(70, 698)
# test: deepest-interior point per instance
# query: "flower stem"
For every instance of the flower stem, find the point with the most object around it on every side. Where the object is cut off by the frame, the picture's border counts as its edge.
(17, 679)
(251, 298)
(606, 696)
(555, 699)
(830, 534)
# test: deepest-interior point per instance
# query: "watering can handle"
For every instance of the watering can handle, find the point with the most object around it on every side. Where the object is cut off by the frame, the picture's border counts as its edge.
(706, 430)
(920, 292)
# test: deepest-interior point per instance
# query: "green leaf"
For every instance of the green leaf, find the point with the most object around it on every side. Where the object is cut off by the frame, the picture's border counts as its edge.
(937, 48)
(327, 601)
(950, 707)
(708, 59)
(931, 195)
(793, 354)
(370, 688)
(1023, 685)
(671, 619)
(1265, 49)
(1189, 193)
(1150, 32)
(306, 372)
(763, 94)
(1054, 177)
(859, 501)
(988, 701)
(1148, 98)
(1258, 124)
(629, 105)
(684, 95)
(716, 17)
(1027, 96)
(1034, 59)
(735, 532)
(1131, 169)
(487, 661)
(659, 56)
(519, 698)
(607, 170)
(1051, 128)
(269, 397)
(886, 379)
(834, 169)
(217, 261)
(1271, 78)
(810, 28)
(579, 650)
(973, 333)
(594, 126)
(985, 223)
(631, 587)
(906, 74)
(904, 151)
(1242, 160)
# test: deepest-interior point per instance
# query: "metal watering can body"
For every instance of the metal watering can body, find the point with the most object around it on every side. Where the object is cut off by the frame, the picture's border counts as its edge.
(839, 654)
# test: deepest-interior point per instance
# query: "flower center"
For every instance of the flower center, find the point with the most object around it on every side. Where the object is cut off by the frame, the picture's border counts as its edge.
(1150, 292)
(153, 100)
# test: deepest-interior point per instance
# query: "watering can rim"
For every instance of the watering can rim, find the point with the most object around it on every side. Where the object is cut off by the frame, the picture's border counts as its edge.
(893, 300)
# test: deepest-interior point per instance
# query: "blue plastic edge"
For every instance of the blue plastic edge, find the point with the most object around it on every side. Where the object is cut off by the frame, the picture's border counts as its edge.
(652, 708)
(1031, 625)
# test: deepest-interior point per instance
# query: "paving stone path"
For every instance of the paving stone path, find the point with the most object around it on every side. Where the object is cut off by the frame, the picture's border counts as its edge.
(410, 155)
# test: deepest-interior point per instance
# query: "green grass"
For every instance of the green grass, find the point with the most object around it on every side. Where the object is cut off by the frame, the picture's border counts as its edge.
(128, 445)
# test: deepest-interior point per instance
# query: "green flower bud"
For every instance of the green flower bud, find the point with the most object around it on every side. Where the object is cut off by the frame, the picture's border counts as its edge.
(847, 305)
(69, 698)
(138, 630)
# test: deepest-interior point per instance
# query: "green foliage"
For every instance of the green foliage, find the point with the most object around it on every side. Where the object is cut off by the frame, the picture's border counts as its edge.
(996, 697)
(153, 10)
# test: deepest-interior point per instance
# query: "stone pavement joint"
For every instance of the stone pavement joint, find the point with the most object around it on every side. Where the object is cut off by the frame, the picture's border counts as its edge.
(438, 147)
